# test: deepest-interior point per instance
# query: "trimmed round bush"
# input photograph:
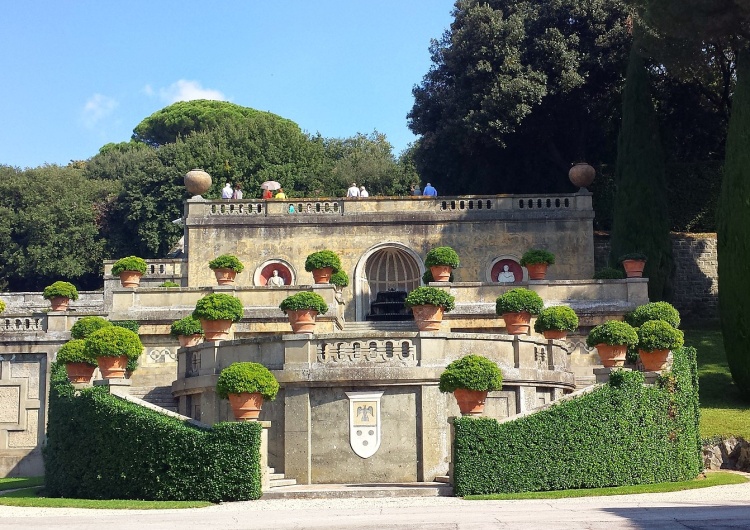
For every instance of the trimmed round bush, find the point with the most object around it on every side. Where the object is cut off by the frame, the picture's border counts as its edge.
(614, 333)
(87, 325)
(430, 296)
(169, 284)
(130, 263)
(219, 306)
(113, 341)
(340, 279)
(188, 325)
(654, 311)
(537, 255)
(609, 273)
(659, 335)
(323, 259)
(226, 261)
(445, 256)
(633, 255)
(73, 351)
(556, 318)
(472, 372)
(518, 300)
(64, 289)
(304, 300)
(247, 377)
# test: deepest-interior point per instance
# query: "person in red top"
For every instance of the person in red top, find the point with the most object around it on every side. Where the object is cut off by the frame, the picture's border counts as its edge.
(267, 194)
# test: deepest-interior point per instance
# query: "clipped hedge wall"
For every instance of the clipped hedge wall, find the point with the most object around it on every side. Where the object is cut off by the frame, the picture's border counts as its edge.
(616, 435)
(102, 447)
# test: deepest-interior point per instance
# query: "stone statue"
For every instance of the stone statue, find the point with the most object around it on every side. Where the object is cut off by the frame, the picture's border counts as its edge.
(506, 276)
(276, 280)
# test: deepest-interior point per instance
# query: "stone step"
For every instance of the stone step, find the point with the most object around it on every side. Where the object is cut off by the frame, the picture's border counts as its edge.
(406, 325)
(282, 482)
(443, 479)
(340, 491)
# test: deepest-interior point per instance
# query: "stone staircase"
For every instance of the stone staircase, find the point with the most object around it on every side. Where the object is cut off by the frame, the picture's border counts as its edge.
(375, 326)
(277, 480)
(160, 396)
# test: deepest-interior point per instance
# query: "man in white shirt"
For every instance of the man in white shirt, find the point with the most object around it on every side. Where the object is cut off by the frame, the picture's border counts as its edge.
(363, 192)
(226, 192)
(353, 191)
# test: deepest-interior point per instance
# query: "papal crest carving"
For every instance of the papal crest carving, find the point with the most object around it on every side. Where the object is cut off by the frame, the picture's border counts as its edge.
(364, 422)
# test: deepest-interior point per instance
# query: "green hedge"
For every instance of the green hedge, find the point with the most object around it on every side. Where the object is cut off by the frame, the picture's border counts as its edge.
(617, 435)
(102, 447)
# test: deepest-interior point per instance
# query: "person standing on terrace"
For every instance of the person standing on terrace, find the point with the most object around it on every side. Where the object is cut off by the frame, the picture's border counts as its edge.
(429, 191)
(353, 190)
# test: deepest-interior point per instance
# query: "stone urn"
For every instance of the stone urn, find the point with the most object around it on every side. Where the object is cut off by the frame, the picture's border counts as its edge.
(428, 317)
(470, 402)
(197, 182)
(59, 303)
(612, 356)
(246, 405)
(581, 174)
(112, 367)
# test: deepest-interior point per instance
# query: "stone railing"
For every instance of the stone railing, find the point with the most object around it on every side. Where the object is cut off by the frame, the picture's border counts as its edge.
(398, 351)
(22, 323)
(162, 268)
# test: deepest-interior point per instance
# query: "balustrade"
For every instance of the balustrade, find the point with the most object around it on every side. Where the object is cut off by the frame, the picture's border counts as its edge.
(22, 323)
(402, 352)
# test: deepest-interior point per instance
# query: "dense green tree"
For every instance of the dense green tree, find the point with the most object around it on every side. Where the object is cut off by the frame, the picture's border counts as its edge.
(641, 222)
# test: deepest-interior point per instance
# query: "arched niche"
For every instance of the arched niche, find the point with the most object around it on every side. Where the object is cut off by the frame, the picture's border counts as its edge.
(498, 264)
(265, 271)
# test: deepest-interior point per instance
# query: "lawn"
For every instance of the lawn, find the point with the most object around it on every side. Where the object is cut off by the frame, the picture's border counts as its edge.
(34, 497)
(723, 412)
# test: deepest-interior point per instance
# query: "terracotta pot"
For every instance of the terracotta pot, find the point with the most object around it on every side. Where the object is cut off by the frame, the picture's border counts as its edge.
(537, 271)
(189, 340)
(633, 267)
(470, 402)
(216, 330)
(612, 356)
(225, 276)
(555, 334)
(246, 406)
(653, 361)
(441, 273)
(79, 372)
(428, 317)
(130, 278)
(59, 303)
(322, 275)
(517, 323)
(112, 367)
(302, 320)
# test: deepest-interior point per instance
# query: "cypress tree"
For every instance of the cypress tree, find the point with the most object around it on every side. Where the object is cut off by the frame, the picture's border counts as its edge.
(733, 223)
(640, 218)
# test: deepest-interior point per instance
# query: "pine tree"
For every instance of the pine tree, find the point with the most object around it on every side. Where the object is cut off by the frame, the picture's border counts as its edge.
(640, 219)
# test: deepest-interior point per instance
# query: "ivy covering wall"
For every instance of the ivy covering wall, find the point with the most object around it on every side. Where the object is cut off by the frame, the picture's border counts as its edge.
(102, 447)
(623, 433)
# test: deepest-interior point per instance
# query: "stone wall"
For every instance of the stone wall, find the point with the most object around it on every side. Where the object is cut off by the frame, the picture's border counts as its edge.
(696, 278)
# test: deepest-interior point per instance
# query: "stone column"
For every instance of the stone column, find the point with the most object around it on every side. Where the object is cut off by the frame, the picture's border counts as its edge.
(434, 449)
(297, 435)
(265, 478)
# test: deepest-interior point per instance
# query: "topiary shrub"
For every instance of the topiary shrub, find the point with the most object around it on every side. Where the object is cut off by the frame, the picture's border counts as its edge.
(518, 300)
(131, 263)
(659, 335)
(304, 300)
(609, 273)
(614, 333)
(427, 277)
(556, 318)
(444, 256)
(472, 372)
(87, 325)
(340, 279)
(430, 296)
(113, 341)
(219, 306)
(654, 311)
(537, 255)
(63, 289)
(186, 326)
(73, 351)
(169, 284)
(323, 259)
(226, 261)
(247, 377)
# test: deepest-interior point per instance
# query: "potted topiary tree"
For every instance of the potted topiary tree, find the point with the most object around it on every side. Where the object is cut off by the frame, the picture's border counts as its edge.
(322, 264)
(217, 312)
(129, 270)
(225, 268)
(85, 326)
(302, 308)
(188, 331)
(654, 311)
(655, 339)
(340, 279)
(633, 263)
(113, 347)
(246, 385)
(556, 321)
(612, 339)
(441, 261)
(428, 305)
(79, 366)
(536, 262)
(60, 294)
(470, 378)
(516, 306)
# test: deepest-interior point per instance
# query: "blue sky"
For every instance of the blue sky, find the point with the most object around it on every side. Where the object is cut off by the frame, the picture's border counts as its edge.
(80, 74)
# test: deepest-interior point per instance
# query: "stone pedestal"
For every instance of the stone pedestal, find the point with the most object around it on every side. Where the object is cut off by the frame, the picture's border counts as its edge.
(265, 478)
(602, 374)
(117, 387)
(651, 377)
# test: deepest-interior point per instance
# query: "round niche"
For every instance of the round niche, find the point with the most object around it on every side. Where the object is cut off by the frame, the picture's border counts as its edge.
(506, 269)
(264, 273)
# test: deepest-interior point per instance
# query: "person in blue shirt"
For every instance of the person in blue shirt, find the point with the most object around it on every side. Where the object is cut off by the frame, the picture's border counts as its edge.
(429, 191)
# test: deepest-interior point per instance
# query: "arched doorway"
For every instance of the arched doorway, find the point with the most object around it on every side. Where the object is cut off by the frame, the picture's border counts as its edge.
(383, 276)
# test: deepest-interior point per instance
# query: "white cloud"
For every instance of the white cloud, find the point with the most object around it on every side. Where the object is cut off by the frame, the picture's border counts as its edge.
(97, 108)
(184, 90)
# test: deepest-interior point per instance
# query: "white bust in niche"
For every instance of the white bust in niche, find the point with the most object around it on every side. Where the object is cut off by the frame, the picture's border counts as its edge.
(276, 280)
(506, 275)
